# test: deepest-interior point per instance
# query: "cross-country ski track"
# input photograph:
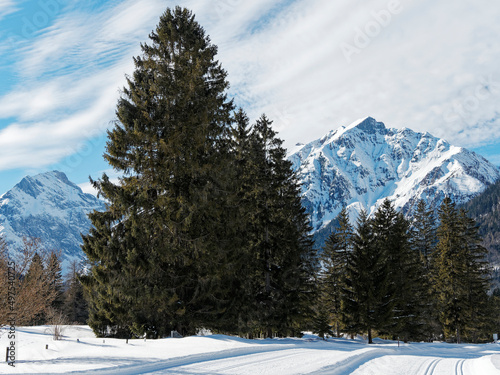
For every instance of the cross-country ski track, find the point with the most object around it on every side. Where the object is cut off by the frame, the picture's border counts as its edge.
(80, 352)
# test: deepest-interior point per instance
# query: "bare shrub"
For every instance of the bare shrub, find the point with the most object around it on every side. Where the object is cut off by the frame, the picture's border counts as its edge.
(57, 321)
(34, 291)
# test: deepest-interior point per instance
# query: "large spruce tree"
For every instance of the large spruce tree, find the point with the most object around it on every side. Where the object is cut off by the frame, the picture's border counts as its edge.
(205, 228)
(158, 251)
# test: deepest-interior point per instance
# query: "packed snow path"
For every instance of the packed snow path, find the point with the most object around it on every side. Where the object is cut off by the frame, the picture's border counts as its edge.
(81, 353)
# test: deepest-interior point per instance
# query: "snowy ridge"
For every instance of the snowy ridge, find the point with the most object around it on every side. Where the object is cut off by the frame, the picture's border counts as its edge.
(50, 207)
(360, 165)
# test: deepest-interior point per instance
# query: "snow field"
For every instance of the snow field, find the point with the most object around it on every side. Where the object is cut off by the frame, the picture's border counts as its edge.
(220, 354)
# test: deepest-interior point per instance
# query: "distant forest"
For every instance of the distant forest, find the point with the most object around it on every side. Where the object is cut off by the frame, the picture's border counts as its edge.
(485, 210)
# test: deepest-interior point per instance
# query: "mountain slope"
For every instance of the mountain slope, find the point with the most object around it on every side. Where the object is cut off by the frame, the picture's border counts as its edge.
(358, 166)
(485, 209)
(50, 207)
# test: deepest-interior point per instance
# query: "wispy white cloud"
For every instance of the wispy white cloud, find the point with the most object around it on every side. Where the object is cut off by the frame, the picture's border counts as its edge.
(37, 144)
(428, 65)
(7, 7)
(421, 66)
(80, 42)
(70, 78)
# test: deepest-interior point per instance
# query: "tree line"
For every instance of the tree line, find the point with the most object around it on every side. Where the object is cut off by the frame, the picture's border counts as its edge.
(40, 294)
(484, 209)
(419, 278)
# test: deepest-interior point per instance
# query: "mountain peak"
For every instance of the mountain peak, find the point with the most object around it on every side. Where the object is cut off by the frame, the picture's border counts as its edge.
(34, 185)
(50, 207)
(61, 176)
(367, 125)
(360, 165)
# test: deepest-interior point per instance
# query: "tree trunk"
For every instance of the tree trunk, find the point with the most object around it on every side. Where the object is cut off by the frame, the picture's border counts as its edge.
(370, 336)
(269, 333)
(268, 256)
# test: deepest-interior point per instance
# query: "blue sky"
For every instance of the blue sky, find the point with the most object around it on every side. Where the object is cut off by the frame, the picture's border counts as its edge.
(310, 65)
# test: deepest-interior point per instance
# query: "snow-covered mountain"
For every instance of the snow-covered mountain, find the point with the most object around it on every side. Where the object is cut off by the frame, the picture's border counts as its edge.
(50, 207)
(357, 166)
(360, 165)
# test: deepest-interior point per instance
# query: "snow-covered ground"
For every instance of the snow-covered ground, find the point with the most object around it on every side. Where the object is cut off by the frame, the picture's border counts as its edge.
(81, 352)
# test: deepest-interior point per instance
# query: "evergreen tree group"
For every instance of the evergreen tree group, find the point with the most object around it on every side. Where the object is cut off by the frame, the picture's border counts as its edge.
(408, 278)
(205, 227)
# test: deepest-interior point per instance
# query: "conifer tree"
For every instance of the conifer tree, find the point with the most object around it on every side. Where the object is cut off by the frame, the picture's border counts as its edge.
(448, 268)
(198, 201)
(477, 276)
(159, 248)
(423, 228)
(321, 321)
(493, 325)
(240, 317)
(35, 279)
(74, 304)
(334, 265)
(282, 263)
(459, 273)
(424, 241)
(392, 236)
(367, 298)
(54, 275)
(36, 269)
